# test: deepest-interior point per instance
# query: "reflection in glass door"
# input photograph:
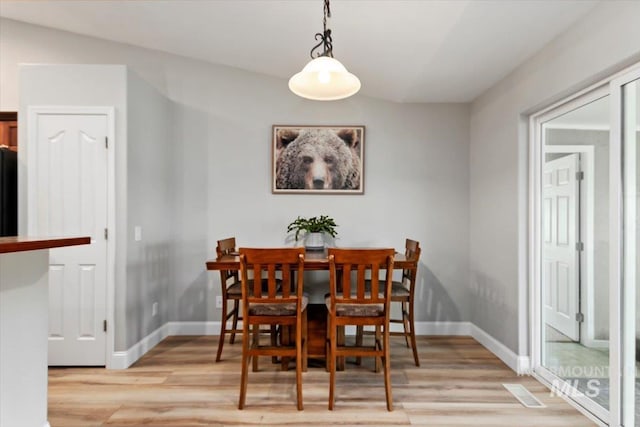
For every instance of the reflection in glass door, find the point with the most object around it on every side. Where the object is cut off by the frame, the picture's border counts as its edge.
(574, 258)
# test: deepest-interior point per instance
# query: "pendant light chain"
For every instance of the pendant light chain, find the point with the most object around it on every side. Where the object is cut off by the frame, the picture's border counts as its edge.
(327, 14)
(325, 37)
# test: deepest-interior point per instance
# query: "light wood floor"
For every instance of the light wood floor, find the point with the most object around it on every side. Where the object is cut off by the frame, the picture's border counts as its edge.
(179, 384)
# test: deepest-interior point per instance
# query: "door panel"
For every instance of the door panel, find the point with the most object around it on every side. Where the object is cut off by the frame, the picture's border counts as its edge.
(561, 234)
(565, 283)
(72, 201)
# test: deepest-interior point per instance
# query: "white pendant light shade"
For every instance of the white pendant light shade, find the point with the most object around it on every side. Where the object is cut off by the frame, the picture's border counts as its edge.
(324, 79)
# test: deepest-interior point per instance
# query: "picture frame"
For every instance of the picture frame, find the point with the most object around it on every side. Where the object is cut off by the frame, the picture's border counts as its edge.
(321, 159)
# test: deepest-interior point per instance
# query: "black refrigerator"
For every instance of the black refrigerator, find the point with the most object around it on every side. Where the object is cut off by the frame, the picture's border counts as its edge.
(8, 192)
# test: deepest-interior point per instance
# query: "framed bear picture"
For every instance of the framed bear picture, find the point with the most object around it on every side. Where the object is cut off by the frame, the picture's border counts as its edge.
(317, 159)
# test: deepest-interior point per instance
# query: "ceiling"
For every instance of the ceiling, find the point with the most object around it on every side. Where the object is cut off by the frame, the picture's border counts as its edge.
(402, 50)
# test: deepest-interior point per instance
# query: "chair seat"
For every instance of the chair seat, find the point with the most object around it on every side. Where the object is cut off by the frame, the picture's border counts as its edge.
(235, 289)
(398, 289)
(277, 309)
(356, 310)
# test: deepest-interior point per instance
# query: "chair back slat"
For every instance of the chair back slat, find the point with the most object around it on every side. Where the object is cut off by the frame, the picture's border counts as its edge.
(346, 280)
(375, 280)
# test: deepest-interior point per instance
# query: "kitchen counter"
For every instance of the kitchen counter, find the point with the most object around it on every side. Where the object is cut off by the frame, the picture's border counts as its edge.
(24, 307)
(21, 243)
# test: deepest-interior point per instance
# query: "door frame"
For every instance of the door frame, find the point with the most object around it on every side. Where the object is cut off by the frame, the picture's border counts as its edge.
(623, 295)
(536, 163)
(31, 206)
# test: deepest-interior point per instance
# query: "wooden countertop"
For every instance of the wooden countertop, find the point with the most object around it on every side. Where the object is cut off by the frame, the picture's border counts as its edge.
(28, 243)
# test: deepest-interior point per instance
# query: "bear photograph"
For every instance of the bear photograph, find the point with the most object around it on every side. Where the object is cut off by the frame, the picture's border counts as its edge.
(318, 159)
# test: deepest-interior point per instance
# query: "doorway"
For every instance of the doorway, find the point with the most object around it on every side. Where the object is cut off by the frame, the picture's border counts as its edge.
(70, 170)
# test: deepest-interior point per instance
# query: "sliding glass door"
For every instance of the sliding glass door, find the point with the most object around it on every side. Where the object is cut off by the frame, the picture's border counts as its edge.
(574, 247)
(585, 248)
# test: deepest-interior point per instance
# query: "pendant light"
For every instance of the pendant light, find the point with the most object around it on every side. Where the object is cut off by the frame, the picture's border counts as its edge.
(324, 78)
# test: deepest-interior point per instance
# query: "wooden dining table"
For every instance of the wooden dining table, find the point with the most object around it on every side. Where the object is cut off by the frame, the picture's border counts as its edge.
(313, 260)
(317, 313)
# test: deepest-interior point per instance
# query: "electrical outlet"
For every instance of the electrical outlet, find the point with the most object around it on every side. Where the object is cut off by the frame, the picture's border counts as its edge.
(154, 309)
(219, 301)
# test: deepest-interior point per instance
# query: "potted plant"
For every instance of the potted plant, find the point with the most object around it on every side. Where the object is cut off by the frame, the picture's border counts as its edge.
(314, 229)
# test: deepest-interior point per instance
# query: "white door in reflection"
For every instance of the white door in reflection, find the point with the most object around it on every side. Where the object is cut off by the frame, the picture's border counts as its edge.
(561, 209)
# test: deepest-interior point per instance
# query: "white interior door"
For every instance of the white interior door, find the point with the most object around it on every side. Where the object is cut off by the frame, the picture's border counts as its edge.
(70, 161)
(560, 267)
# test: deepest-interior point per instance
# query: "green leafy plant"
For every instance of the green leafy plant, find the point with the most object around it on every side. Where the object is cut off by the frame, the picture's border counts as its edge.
(316, 224)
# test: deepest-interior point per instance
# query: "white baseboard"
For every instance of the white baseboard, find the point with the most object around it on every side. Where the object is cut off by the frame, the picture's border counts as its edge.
(523, 365)
(124, 359)
(520, 364)
(195, 328)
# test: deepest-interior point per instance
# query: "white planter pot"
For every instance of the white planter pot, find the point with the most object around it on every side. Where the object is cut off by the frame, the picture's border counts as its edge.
(314, 241)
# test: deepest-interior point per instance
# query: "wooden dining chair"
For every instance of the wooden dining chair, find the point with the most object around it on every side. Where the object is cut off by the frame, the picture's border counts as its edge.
(231, 292)
(403, 292)
(282, 304)
(350, 303)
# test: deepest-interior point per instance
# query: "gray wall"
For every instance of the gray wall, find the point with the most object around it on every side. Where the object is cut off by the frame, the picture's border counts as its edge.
(150, 201)
(76, 85)
(605, 40)
(218, 181)
(143, 173)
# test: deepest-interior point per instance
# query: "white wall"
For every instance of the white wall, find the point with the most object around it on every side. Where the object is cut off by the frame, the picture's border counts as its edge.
(416, 169)
(605, 40)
